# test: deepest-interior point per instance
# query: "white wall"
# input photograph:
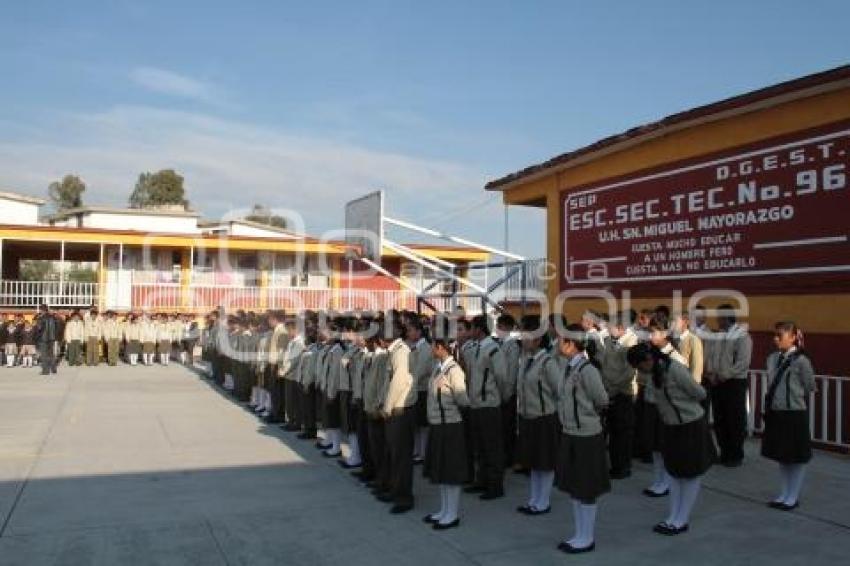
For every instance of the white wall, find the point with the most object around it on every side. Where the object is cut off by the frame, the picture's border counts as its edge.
(142, 222)
(16, 212)
(255, 232)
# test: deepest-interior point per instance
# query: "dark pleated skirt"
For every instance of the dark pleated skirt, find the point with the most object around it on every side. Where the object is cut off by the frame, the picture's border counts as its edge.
(330, 412)
(688, 449)
(446, 458)
(422, 409)
(582, 467)
(164, 347)
(347, 423)
(134, 347)
(787, 438)
(650, 429)
(148, 347)
(538, 443)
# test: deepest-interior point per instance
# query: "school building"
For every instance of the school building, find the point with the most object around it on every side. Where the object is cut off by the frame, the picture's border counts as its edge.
(169, 259)
(744, 200)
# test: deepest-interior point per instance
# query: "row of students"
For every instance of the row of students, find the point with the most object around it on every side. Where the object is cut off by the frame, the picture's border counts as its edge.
(17, 336)
(357, 382)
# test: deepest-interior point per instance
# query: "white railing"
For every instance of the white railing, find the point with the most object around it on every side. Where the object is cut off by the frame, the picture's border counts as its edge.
(156, 296)
(30, 294)
(827, 407)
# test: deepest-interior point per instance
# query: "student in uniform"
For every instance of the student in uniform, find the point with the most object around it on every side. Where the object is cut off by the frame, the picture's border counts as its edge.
(488, 375)
(307, 383)
(374, 395)
(652, 428)
(331, 414)
(27, 334)
(147, 335)
(163, 339)
(350, 396)
(619, 380)
(582, 469)
(10, 342)
(511, 351)
(364, 403)
(465, 347)
(445, 464)
(344, 388)
(111, 332)
(399, 412)
(421, 367)
(688, 449)
(93, 324)
(537, 390)
(74, 336)
(292, 359)
(728, 370)
(132, 334)
(786, 438)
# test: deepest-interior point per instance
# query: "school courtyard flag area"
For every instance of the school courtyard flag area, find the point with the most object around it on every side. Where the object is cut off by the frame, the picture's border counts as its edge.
(670, 387)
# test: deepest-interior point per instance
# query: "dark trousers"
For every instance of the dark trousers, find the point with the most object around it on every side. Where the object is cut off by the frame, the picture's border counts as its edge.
(509, 431)
(308, 409)
(270, 380)
(469, 437)
(729, 403)
(75, 351)
(487, 437)
(401, 428)
(621, 430)
(640, 447)
(380, 458)
(282, 398)
(47, 357)
(217, 367)
(292, 402)
(363, 439)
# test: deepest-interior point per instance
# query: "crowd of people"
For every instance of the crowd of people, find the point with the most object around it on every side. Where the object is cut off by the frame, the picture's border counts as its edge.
(571, 406)
(89, 337)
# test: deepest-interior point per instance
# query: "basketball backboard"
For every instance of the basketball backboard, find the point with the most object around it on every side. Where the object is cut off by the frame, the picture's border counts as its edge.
(364, 225)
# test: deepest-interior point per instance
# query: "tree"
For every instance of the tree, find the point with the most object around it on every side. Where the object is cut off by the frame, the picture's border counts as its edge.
(162, 187)
(67, 193)
(263, 215)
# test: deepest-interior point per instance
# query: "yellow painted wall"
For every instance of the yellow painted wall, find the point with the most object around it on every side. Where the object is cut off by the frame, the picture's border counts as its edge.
(816, 313)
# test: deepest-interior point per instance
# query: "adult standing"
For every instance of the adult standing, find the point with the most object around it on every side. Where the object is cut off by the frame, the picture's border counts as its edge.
(46, 336)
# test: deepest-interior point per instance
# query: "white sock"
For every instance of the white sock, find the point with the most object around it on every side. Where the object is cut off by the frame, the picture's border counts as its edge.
(660, 482)
(577, 522)
(333, 437)
(544, 490)
(689, 493)
(785, 482)
(534, 488)
(354, 458)
(675, 501)
(444, 504)
(588, 522)
(796, 474)
(452, 504)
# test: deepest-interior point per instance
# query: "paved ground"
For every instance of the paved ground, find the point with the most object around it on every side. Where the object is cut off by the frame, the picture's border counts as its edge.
(126, 466)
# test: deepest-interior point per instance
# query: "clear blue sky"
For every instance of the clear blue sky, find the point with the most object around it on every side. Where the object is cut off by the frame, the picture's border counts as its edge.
(305, 105)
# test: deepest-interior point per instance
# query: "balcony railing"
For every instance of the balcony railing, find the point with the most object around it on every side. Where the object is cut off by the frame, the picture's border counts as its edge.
(30, 294)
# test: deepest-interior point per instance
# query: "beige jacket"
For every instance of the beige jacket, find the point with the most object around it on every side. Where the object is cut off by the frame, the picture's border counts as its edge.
(74, 331)
(292, 357)
(93, 327)
(400, 389)
(374, 382)
(537, 386)
(446, 393)
(422, 364)
(581, 397)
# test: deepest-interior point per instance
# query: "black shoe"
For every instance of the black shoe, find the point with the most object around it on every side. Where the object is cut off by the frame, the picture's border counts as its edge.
(533, 512)
(291, 428)
(320, 446)
(525, 509)
(384, 497)
(786, 507)
(474, 489)
(737, 463)
(418, 461)
(446, 526)
(305, 436)
(522, 471)
(399, 508)
(649, 493)
(663, 528)
(348, 466)
(776, 505)
(620, 474)
(332, 454)
(490, 495)
(570, 549)
(429, 518)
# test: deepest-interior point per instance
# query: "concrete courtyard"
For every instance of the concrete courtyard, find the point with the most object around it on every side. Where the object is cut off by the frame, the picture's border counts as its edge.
(126, 466)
